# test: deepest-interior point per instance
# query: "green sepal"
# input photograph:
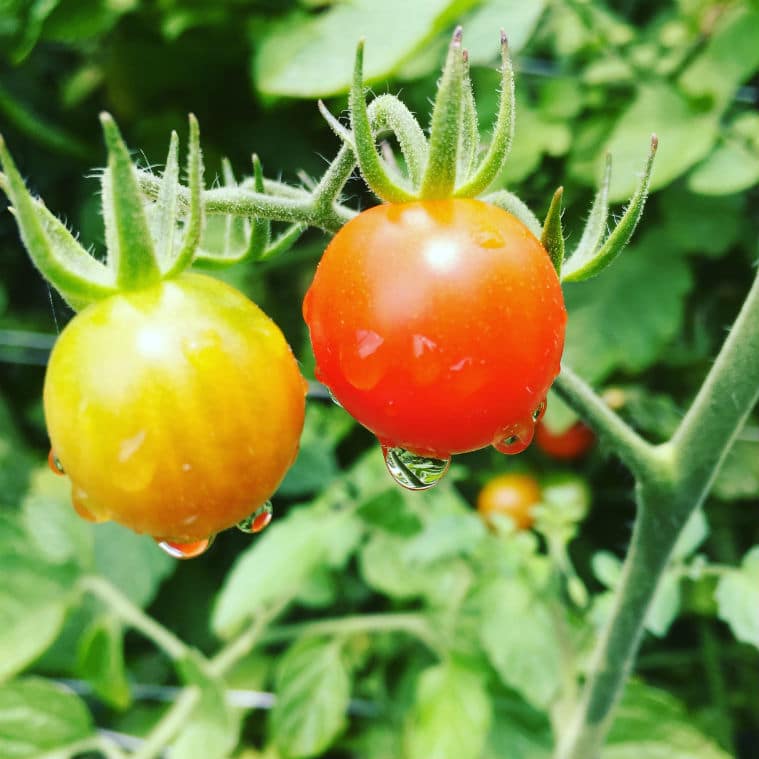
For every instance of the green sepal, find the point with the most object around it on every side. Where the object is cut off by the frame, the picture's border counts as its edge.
(372, 169)
(194, 223)
(552, 234)
(130, 247)
(260, 228)
(163, 214)
(503, 133)
(440, 173)
(469, 135)
(62, 261)
(591, 257)
(517, 207)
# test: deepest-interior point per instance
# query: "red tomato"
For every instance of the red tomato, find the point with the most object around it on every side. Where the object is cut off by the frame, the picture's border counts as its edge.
(439, 325)
(175, 409)
(570, 444)
(512, 495)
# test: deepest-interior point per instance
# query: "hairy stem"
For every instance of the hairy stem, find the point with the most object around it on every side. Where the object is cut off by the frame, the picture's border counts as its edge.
(639, 455)
(667, 495)
(133, 616)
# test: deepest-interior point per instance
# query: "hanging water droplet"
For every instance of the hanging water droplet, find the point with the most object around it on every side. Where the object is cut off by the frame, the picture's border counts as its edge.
(537, 415)
(259, 519)
(55, 463)
(515, 438)
(413, 471)
(186, 550)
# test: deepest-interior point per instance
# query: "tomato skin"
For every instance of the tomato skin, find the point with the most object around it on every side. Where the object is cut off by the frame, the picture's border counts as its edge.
(570, 444)
(439, 325)
(512, 495)
(175, 410)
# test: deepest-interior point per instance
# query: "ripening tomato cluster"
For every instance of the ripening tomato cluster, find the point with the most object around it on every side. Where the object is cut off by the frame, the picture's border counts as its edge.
(176, 409)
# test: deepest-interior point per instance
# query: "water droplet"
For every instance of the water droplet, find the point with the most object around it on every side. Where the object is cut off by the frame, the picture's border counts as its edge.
(515, 439)
(412, 471)
(55, 463)
(186, 550)
(259, 519)
(488, 238)
(334, 399)
(364, 362)
(426, 365)
(80, 500)
(537, 415)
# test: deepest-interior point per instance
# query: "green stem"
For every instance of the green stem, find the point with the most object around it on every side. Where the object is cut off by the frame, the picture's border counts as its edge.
(242, 201)
(639, 455)
(133, 616)
(668, 493)
(414, 624)
(170, 724)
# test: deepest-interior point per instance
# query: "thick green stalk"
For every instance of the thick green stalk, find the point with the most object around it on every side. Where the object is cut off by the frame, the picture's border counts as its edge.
(667, 495)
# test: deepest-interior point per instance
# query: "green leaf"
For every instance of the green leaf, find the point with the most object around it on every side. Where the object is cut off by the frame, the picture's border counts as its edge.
(316, 465)
(212, 730)
(732, 167)
(697, 224)
(665, 605)
(101, 661)
(451, 714)
(738, 475)
(312, 688)
(33, 604)
(59, 533)
(518, 633)
(37, 716)
(518, 731)
(312, 56)
(607, 568)
(385, 566)
(275, 566)
(444, 538)
(517, 18)
(133, 563)
(625, 319)
(729, 58)
(652, 724)
(737, 598)
(685, 134)
(390, 511)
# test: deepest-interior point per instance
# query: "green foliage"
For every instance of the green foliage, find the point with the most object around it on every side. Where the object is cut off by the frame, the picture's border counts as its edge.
(386, 623)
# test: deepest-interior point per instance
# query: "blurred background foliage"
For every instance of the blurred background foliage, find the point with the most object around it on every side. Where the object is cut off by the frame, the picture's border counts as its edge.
(592, 77)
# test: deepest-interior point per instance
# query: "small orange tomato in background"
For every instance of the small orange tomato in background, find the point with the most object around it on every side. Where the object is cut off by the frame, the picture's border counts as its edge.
(513, 495)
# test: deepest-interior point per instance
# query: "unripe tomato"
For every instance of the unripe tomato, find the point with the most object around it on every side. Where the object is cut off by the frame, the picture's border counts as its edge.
(175, 410)
(570, 444)
(513, 495)
(439, 325)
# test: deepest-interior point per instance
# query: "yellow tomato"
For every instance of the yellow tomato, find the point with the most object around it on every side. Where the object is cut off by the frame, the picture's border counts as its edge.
(176, 409)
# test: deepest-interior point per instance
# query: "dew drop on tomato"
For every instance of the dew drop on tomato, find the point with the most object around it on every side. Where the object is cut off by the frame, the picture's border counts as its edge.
(259, 519)
(412, 471)
(537, 415)
(82, 505)
(364, 363)
(189, 550)
(55, 463)
(516, 438)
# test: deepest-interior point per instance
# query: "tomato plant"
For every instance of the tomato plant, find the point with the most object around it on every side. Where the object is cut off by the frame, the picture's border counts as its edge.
(569, 444)
(438, 325)
(513, 495)
(175, 409)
